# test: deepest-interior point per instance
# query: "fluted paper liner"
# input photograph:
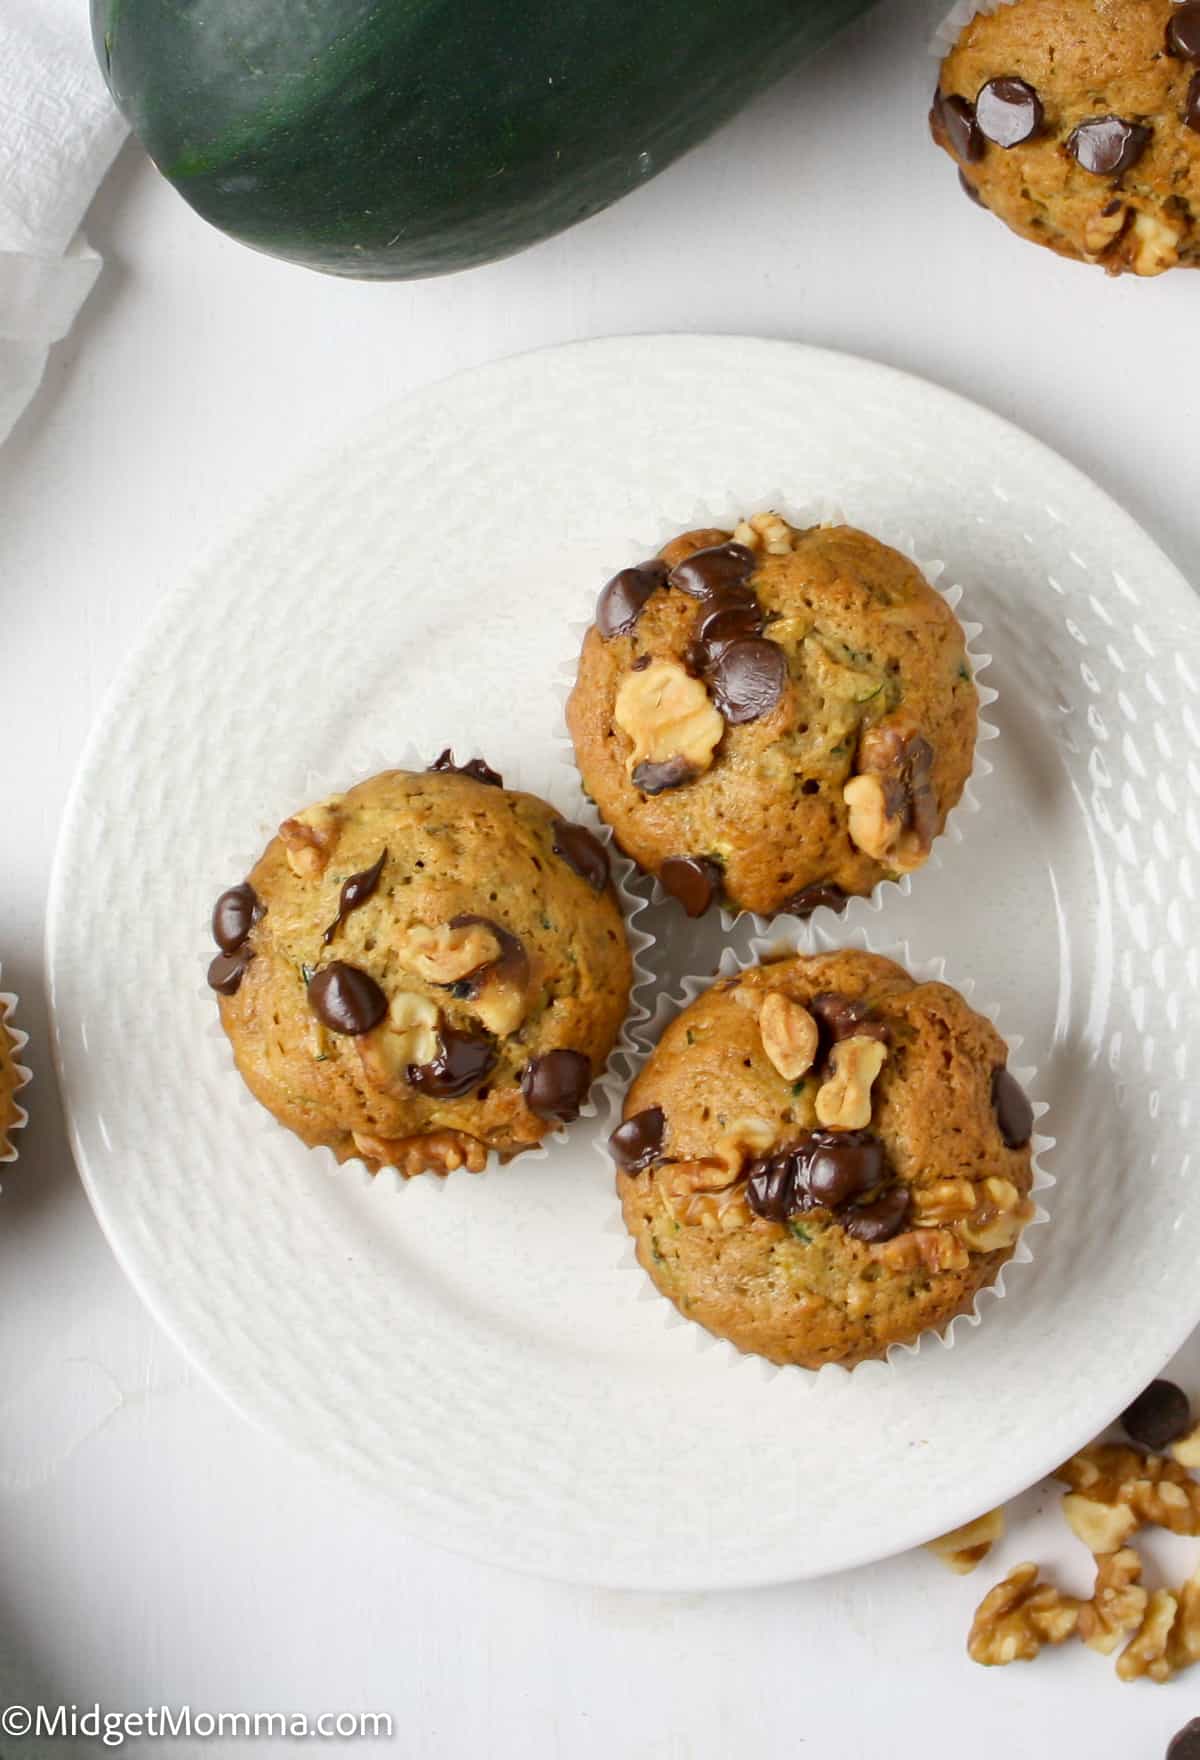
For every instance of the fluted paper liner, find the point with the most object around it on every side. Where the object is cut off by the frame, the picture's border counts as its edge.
(824, 511)
(783, 943)
(608, 1086)
(17, 1041)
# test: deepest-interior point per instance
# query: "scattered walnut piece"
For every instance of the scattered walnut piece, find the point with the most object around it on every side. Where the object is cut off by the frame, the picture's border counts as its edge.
(1118, 1603)
(1018, 1616)
(666, 713)
(1187, 1450)
(843, 1100)
(1103, 1527)
(309, 837)
(444, 954)
(789, 1035)
(1183, 1648)
(1158, 1491)
(768, 532)
(435, 1152)
(1146, 1652)
(965, 1548)
(997, 1219)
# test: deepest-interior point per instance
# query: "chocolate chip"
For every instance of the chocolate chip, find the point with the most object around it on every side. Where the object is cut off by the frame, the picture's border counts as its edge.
(1183, 32)
(694, 880)
(620, 603)
(1185, 1743)
(969, 189)
(880, 1220)
(461, 1063)
(957, 118)
(1014, 1114)
(555, 1085)
(513, 960)
(637, 1142)
(346, 999)
(747, 680)
(709, 571)
(583, 852)
(657, 778)
(1108, 145)
(725, 619)
(811, 898)
(845, 1017)
(1158, 1416)
(234, 915)
(356, 890)
(835, 1166)
(474, 768)
(1191, 106)
(1008, 111)
(225, 972)
(771, 1187)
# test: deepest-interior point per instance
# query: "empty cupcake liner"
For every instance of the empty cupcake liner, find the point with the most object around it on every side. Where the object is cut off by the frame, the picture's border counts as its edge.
(816, 511)
(781, 942)
(17, 1041)
(606, 1088)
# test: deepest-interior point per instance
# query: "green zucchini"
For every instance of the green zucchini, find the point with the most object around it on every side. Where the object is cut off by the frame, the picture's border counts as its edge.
(399, 138)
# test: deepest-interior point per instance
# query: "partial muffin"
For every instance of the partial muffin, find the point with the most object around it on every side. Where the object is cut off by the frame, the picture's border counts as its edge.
(822, 1158)
(424, 969)
(1077, 122)
(13, 1077)
(781, 718)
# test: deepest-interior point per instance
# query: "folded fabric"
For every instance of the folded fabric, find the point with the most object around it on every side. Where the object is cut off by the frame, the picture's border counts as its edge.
(59, 131)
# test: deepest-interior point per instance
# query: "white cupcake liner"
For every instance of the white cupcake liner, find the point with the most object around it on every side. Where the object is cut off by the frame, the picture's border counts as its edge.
(957, 20)
(17, 1041)
(608, 1085)
(818, 510)
(827, 939)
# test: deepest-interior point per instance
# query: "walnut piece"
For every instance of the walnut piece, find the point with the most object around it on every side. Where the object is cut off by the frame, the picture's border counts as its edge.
(1158, 1491)
(1183, 1649)
(892, 806)
(1103, 228)
(843, 1100)
(666, 713)
(444, 954)
(1017, 1617)
(435, 1152)
(309, 837)
(789, 1035)
(997, 1219)
(923, 1249)
(1152, 246)
(1146, 1652)
(1187, 1450)
(964, 1549)
(768, 532)
(1118, 1603)
(1103, 1527)
(744, 1140)
(948, 1200)
(408, 1035)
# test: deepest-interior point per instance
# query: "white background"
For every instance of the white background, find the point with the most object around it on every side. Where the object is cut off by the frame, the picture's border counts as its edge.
(152, 1547)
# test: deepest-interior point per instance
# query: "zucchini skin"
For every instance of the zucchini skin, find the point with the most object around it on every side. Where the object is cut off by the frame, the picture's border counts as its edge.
(393, 139)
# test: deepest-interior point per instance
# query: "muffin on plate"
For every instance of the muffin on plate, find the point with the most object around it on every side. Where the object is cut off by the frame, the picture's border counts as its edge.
(823, 1158)
(1077, 122)
(13, 1077)
(424, 969)
(774, 717)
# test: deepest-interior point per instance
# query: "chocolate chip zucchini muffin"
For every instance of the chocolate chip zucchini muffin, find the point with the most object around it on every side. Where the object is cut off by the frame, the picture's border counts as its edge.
(1077, 122)
(822, 1158)
(423, 969)
(778, 717)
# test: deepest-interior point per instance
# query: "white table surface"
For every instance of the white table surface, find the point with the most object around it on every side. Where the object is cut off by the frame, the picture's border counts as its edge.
(154, 1548)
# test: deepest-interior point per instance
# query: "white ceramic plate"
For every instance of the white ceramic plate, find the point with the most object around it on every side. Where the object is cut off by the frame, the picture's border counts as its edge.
(476, 1352)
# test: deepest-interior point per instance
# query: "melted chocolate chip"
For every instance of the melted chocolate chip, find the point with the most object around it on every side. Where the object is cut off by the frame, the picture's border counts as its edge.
(1158, 1417)
(694, 880)
(638, 1142)
(1183, 32)
(1014, 1114)
(811, 898)
(771, 1187)
(356, 890)
(513, 959)
(957, 119)
(1108, 146)
(747, 679)
(1008, 111)
(969, 189)
(474, 768)
(880, 1220)
(711, 571)
(461, 1063)
(345, 999)
(555, 1085)
(226, 971)
(620, 603)
(583, 852)
(725, 619)
(1185, 1743)
(845, 1017)
(234, 915)
(1191, 106)
(835, 1166)
(657, 778)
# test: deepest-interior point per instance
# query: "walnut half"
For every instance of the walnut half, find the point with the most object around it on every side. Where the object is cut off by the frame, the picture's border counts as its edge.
(309, 837)
(789, 1035)
(673, 727)
(892, 807)
(844, 1099)
(1018, 1616)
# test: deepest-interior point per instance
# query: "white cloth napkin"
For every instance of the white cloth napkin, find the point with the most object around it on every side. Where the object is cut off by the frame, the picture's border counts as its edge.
(59, 131)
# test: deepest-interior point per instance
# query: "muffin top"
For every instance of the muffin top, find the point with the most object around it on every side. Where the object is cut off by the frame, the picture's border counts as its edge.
(823, 1157)
(783, 717)
(423, 969)
(1077, 122)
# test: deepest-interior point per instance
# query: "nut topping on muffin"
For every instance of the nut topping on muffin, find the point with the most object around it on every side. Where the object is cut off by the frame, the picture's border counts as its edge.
(789, 1035)
(673, 727)
(843, 1101)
